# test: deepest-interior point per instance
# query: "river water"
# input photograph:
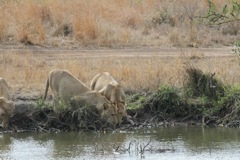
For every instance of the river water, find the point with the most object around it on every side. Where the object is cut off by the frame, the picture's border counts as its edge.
(179, 143)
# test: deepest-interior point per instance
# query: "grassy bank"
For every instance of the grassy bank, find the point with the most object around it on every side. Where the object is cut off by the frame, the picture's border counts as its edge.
(121, 23)
(202, 100)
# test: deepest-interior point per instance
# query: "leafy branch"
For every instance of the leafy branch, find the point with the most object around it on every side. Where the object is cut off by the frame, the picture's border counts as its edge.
(226, 15)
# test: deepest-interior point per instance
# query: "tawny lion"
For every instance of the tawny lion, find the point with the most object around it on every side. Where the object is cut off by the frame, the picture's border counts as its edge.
(108, 86)
(6, 103)
(66, 87)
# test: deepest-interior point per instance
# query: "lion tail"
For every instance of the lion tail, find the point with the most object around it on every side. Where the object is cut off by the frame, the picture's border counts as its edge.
(94, 81)
(46, 90)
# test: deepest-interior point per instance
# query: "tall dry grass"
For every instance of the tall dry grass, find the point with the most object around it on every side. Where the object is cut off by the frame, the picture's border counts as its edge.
(108, 23)
(27, 72)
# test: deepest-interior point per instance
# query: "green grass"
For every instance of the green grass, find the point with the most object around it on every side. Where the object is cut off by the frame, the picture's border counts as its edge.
(176, 103)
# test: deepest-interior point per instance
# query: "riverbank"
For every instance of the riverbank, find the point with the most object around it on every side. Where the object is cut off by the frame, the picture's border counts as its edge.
(29, 118)
(202, 99)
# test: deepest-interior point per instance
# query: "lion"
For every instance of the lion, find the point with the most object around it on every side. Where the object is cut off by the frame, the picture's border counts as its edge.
(107, 85)
(66, 87)
(6, 104)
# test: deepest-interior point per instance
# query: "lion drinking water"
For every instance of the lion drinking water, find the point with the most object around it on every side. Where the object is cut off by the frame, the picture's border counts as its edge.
(66, 87)
(105, 84)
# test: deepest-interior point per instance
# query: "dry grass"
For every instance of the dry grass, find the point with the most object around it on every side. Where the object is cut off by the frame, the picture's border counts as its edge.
(26, 72)
(108, 23)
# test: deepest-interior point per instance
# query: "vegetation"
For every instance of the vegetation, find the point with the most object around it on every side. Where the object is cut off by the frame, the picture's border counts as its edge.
(166, 103)
(229, 16)
(164, 87)
(230, 13)
(198, 100)
(195, 102)
(121, 23)
(42, 118)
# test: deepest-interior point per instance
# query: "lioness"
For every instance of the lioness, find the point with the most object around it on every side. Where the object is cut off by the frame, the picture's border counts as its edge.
(6, 103)
(66, 87)
(105, 84)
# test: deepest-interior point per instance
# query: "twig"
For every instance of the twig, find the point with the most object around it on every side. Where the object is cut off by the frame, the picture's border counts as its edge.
(129, 147)
(143, 149)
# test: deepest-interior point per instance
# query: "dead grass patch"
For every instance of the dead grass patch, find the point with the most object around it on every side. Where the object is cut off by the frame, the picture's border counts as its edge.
(109, 23)
(28, 71)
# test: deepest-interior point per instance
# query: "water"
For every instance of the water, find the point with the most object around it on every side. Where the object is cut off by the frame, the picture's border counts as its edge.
(165, 143)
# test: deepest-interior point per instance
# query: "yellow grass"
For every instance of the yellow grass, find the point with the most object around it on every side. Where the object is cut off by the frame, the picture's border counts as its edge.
(109, 23)
(26, 71)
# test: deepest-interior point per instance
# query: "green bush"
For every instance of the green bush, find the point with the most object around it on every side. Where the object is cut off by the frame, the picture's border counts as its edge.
(135, 101)
(166, 103)
(199, 84)
(228, 107)
(228, 14)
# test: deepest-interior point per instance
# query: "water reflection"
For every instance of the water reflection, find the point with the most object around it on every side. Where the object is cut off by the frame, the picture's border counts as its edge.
(194, 142)
(197, 138)
(21, 146)
(5, 142)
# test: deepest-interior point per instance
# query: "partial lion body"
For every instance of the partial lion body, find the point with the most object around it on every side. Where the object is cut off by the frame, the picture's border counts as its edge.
(6, 103)
(105, 84)
(66, 87)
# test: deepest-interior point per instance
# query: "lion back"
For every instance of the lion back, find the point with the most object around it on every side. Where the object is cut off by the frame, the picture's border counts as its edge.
(64, 84)
(101, 80)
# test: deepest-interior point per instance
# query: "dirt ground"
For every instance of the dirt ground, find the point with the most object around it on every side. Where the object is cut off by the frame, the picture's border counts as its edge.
(51, 53)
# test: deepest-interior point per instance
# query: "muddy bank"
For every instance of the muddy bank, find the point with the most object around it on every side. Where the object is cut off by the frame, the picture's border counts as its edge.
(29, 117)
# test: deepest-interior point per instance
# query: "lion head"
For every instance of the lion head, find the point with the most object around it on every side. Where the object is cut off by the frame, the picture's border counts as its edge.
(109, 113)
(106, 109)
(121, 111)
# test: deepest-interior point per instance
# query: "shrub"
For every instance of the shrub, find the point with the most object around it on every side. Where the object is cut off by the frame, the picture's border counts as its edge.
(228, 107)
(199, 84)
(166, 103)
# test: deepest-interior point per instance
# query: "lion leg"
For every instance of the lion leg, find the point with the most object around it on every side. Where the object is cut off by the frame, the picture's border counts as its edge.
(5, 121)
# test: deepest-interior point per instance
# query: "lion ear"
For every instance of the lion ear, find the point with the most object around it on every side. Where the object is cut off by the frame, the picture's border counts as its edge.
(105, 106)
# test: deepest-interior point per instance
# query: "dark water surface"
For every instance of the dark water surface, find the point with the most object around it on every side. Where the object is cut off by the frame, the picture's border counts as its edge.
(165, 143)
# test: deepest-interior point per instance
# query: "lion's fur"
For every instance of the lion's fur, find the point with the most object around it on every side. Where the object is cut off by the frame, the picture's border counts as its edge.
(6, 103)
(66, 87)
(107, 85)
(107, 110)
